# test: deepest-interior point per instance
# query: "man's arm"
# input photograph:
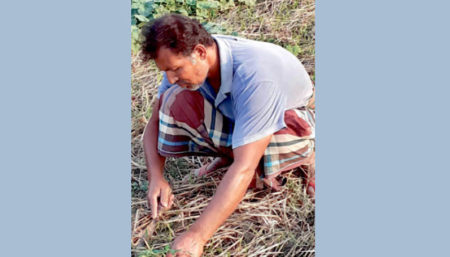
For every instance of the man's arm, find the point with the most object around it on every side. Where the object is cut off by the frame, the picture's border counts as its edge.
(158, 186)
(230, 192)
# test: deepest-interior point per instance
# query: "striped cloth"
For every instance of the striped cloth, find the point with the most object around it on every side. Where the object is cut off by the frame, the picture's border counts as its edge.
(191, 125)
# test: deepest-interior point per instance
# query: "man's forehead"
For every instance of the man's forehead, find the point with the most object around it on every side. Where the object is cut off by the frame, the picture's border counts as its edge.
(166, 57)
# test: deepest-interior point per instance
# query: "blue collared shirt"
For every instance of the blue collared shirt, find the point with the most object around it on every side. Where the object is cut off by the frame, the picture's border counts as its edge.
(259, 82)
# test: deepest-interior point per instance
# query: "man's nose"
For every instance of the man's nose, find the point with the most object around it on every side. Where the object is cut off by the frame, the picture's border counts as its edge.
(171, 76)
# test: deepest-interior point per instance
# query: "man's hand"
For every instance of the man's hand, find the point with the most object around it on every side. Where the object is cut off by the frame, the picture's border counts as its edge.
(159, 196)
(188, 244)
(159, 193)
(229, 193)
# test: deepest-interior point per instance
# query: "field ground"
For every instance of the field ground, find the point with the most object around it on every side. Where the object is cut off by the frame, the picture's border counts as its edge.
(265, 223)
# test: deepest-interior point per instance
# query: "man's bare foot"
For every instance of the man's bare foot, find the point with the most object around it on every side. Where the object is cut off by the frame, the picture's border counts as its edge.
(311, 188)
(311, 192)
(217, 163)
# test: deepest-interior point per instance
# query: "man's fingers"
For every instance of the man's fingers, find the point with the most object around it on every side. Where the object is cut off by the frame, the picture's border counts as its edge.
(165, 197)
(171, 199)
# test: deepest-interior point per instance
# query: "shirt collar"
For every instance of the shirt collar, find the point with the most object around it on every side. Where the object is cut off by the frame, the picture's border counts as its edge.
(226, 69)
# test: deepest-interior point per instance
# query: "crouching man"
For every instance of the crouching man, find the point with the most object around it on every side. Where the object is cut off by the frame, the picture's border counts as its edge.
(241, 101)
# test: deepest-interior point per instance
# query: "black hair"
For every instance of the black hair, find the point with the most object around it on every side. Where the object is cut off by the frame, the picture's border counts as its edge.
(174, 31)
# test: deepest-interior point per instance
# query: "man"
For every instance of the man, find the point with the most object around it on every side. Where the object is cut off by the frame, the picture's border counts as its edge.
(239, 100)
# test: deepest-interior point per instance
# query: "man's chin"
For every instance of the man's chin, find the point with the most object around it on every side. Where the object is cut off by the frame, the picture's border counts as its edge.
(193, 87)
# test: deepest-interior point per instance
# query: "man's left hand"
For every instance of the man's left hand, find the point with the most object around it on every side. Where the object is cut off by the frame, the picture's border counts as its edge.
(188, 244)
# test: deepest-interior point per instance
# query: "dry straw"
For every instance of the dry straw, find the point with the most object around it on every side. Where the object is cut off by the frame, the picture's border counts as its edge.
(265, 223)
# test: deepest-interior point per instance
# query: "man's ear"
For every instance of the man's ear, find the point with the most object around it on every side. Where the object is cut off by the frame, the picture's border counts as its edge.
(199, 51)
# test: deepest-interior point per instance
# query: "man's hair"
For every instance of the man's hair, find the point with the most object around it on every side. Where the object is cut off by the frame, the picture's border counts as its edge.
(174, 31)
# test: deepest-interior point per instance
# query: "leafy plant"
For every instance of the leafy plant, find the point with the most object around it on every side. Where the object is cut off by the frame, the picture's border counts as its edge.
(143, 11)
(139, 187)
(155, 253)
(294, 49)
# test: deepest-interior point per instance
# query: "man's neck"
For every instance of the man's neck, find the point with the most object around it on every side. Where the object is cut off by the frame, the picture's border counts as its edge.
(213, 76)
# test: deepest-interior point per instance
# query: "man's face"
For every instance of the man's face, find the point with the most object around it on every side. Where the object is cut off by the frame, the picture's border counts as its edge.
(188, 72)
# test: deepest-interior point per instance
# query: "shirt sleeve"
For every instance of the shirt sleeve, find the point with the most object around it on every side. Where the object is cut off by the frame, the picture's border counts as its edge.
(164, 85)
(259, 112)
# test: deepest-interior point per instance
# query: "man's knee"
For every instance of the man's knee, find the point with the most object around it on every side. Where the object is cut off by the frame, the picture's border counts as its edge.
(183, 105)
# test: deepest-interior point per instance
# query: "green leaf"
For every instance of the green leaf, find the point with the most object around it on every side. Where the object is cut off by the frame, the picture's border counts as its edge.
(133, 19)
(170, 4)
(136, 3)
(146, 9)
(145, 253)
(141, 18)
(182, 11)
(160, 11)
(202, 13)
(134, 185)
(208, 4)
(157, 251)
(191, 2)
(214, 28)
(294, 49)
(144, 186)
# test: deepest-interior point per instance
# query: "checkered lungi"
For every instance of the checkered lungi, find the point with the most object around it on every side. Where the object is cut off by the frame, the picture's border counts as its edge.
(191, 125)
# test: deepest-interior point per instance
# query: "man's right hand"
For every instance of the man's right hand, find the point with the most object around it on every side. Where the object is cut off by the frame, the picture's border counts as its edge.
(159, 196)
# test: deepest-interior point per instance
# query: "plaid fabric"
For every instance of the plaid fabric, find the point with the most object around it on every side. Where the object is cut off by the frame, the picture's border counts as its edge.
(191, 125)
(291, 146)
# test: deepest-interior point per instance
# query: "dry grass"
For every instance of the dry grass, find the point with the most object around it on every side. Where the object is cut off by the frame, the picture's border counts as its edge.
(283, 22)
(265, 223)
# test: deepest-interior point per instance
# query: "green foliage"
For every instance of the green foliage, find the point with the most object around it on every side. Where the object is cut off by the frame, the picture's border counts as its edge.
(143, 11)
(139, 187)
(134, 38)
(248, 2)
(294, 49)
(158, 253)
(214, 28)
